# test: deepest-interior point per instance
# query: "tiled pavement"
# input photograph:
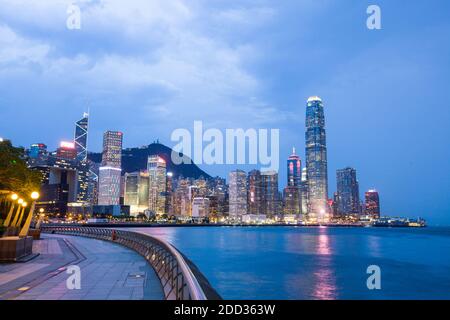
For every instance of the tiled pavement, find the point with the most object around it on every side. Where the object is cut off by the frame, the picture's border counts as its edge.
(108, 272)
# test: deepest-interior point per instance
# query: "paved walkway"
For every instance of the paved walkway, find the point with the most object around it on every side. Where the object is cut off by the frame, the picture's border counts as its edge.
(108, 272)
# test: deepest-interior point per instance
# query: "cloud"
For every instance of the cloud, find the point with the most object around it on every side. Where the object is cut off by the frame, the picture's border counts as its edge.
(180, 71)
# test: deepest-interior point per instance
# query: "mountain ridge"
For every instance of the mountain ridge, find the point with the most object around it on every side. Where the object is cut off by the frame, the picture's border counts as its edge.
(135, 159)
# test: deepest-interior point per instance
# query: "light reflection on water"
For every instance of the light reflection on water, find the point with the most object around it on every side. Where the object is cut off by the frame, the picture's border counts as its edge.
(325, 283)
(316, 263)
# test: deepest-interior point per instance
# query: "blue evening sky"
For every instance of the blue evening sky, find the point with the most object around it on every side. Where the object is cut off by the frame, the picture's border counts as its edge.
(147, 67)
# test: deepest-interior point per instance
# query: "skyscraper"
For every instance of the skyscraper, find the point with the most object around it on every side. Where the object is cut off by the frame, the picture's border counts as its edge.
(157, 184)
(292, 193)
(112, 149)
(254, 192)
(372, 204)
(347, 192)
(81, 137)
(304, 190)
(238, 194)
(294, 169)
(80, 141)
(316, 158)
(270, 193)
(136, 192)
(110, 171)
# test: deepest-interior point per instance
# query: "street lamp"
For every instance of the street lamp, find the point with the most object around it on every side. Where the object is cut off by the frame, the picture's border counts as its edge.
(22, 213)
(14, 197)
(19, 212)
(41, 217)
(26, 226)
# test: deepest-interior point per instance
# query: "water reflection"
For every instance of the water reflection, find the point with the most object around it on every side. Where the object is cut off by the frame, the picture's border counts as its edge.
(325, 280)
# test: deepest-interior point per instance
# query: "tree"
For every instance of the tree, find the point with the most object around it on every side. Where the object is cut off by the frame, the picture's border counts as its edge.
(15, 176)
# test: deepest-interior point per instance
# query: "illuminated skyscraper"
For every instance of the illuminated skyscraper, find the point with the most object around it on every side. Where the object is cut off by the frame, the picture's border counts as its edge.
(347, 192)
(372, 204)
(294, 169)
(157, 183)
(81, 137)
(112, 149)
(292, 193)
(316, 158)
(81, 140)
(110, 171)
(238, 194)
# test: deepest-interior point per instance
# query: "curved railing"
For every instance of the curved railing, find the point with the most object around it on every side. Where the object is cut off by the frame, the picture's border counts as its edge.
(177, 278)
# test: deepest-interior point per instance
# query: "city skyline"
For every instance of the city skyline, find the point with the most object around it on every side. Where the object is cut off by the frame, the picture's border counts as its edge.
(374, 99)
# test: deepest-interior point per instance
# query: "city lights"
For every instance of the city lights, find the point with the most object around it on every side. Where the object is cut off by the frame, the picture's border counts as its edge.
(67, 145)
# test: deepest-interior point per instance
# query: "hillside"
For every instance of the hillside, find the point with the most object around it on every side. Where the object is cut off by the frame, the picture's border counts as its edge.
(135, 159)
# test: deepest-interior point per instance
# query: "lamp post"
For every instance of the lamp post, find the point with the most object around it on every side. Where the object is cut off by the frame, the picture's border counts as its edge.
(41, 216)
(14, 198)
(18, 212)
(19, 221)
(26, 226)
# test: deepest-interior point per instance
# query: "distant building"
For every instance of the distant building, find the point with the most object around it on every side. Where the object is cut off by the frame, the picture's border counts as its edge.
(81, 137)
(372, 204)
(218, 197)
(316, 159)
(200, 207)
(59, 185)
(271, 204)
(110, 171)
(254, 196)
(66, 151)
(238, 194)
(169, 194)
(136, 192)
(181, 205)
(37, 150)
(304, 191)
(292, 193)
(112, 149)
(347, 192)
(109, 186)
(81, 140)
(156, 167)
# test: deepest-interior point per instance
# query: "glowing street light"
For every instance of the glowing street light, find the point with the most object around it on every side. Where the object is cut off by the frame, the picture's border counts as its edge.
(6, 223)
(20, 201)
(26, 227)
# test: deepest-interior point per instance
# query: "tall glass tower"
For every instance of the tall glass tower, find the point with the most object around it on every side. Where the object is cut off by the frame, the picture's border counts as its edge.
(316, 159)
(81, 136)
(347, 192)
(81, 139)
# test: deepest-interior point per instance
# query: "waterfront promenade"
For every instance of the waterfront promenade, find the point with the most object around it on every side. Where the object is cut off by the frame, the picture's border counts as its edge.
(108, 272)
